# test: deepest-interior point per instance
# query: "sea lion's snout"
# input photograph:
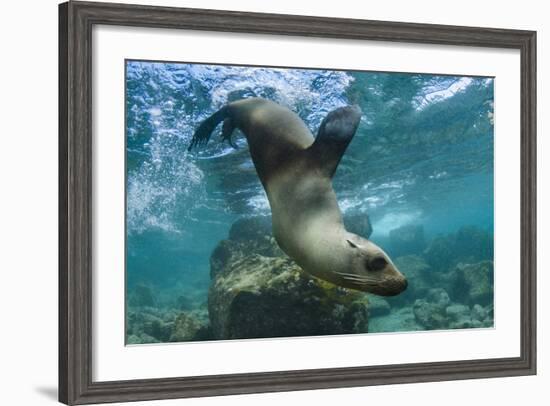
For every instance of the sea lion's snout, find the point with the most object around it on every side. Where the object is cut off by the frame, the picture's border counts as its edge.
(372, 270)
(393, 286)
(390, 282)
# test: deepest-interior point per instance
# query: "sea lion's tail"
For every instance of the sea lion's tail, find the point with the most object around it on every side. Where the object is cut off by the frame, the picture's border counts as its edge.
(204, 132)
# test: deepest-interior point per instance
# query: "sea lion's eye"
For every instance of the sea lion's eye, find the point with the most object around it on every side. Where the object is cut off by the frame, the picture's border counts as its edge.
(351, 244)
(377, 263)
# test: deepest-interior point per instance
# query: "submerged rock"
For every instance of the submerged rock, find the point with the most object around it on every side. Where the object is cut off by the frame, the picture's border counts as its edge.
(478, 313)
(399, 319)
(406, 240)
(145, 338)
(358, 224)
(141, 295)
(429, 315)
(474, 244)
(431, 312)
(437, 311)
(419, 278)
(468, 244)
(439, 253)
(245, 236)
(187, 326)
(250, 228)
(133, 339)
(458, 311)
(157, 328)
(184, 303)
(261, 296)
(459, 316)
(474, 283)
(378, 306)
(146, 325)
(439, 297)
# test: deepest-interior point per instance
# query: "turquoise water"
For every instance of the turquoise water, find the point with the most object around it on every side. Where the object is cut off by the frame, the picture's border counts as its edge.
(422, 159)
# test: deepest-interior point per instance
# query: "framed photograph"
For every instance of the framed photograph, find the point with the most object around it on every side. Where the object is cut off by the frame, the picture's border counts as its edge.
(258, 202)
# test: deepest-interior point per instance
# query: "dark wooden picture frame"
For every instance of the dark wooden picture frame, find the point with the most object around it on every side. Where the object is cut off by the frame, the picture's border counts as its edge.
(76, 20)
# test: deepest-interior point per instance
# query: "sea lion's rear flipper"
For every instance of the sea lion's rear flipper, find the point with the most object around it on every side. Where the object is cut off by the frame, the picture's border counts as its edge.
(335, 133)
(203, 133)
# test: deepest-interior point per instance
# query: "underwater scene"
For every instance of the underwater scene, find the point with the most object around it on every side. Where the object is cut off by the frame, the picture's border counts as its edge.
(330, 219)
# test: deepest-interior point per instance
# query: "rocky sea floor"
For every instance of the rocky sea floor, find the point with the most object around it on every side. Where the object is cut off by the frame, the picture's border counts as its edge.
(257, 291)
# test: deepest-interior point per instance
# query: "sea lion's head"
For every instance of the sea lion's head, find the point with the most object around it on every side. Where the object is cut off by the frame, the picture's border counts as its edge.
(370, 269)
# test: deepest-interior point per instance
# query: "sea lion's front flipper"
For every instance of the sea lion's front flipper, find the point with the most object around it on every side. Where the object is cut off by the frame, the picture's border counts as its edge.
(335, 133)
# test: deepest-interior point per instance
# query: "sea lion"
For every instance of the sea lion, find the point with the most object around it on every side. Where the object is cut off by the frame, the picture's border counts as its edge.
(296, 172)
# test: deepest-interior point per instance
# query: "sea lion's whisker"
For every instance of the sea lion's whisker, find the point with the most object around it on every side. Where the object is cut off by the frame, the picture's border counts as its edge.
(361, 278)
(352, 275)
(361, 282)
